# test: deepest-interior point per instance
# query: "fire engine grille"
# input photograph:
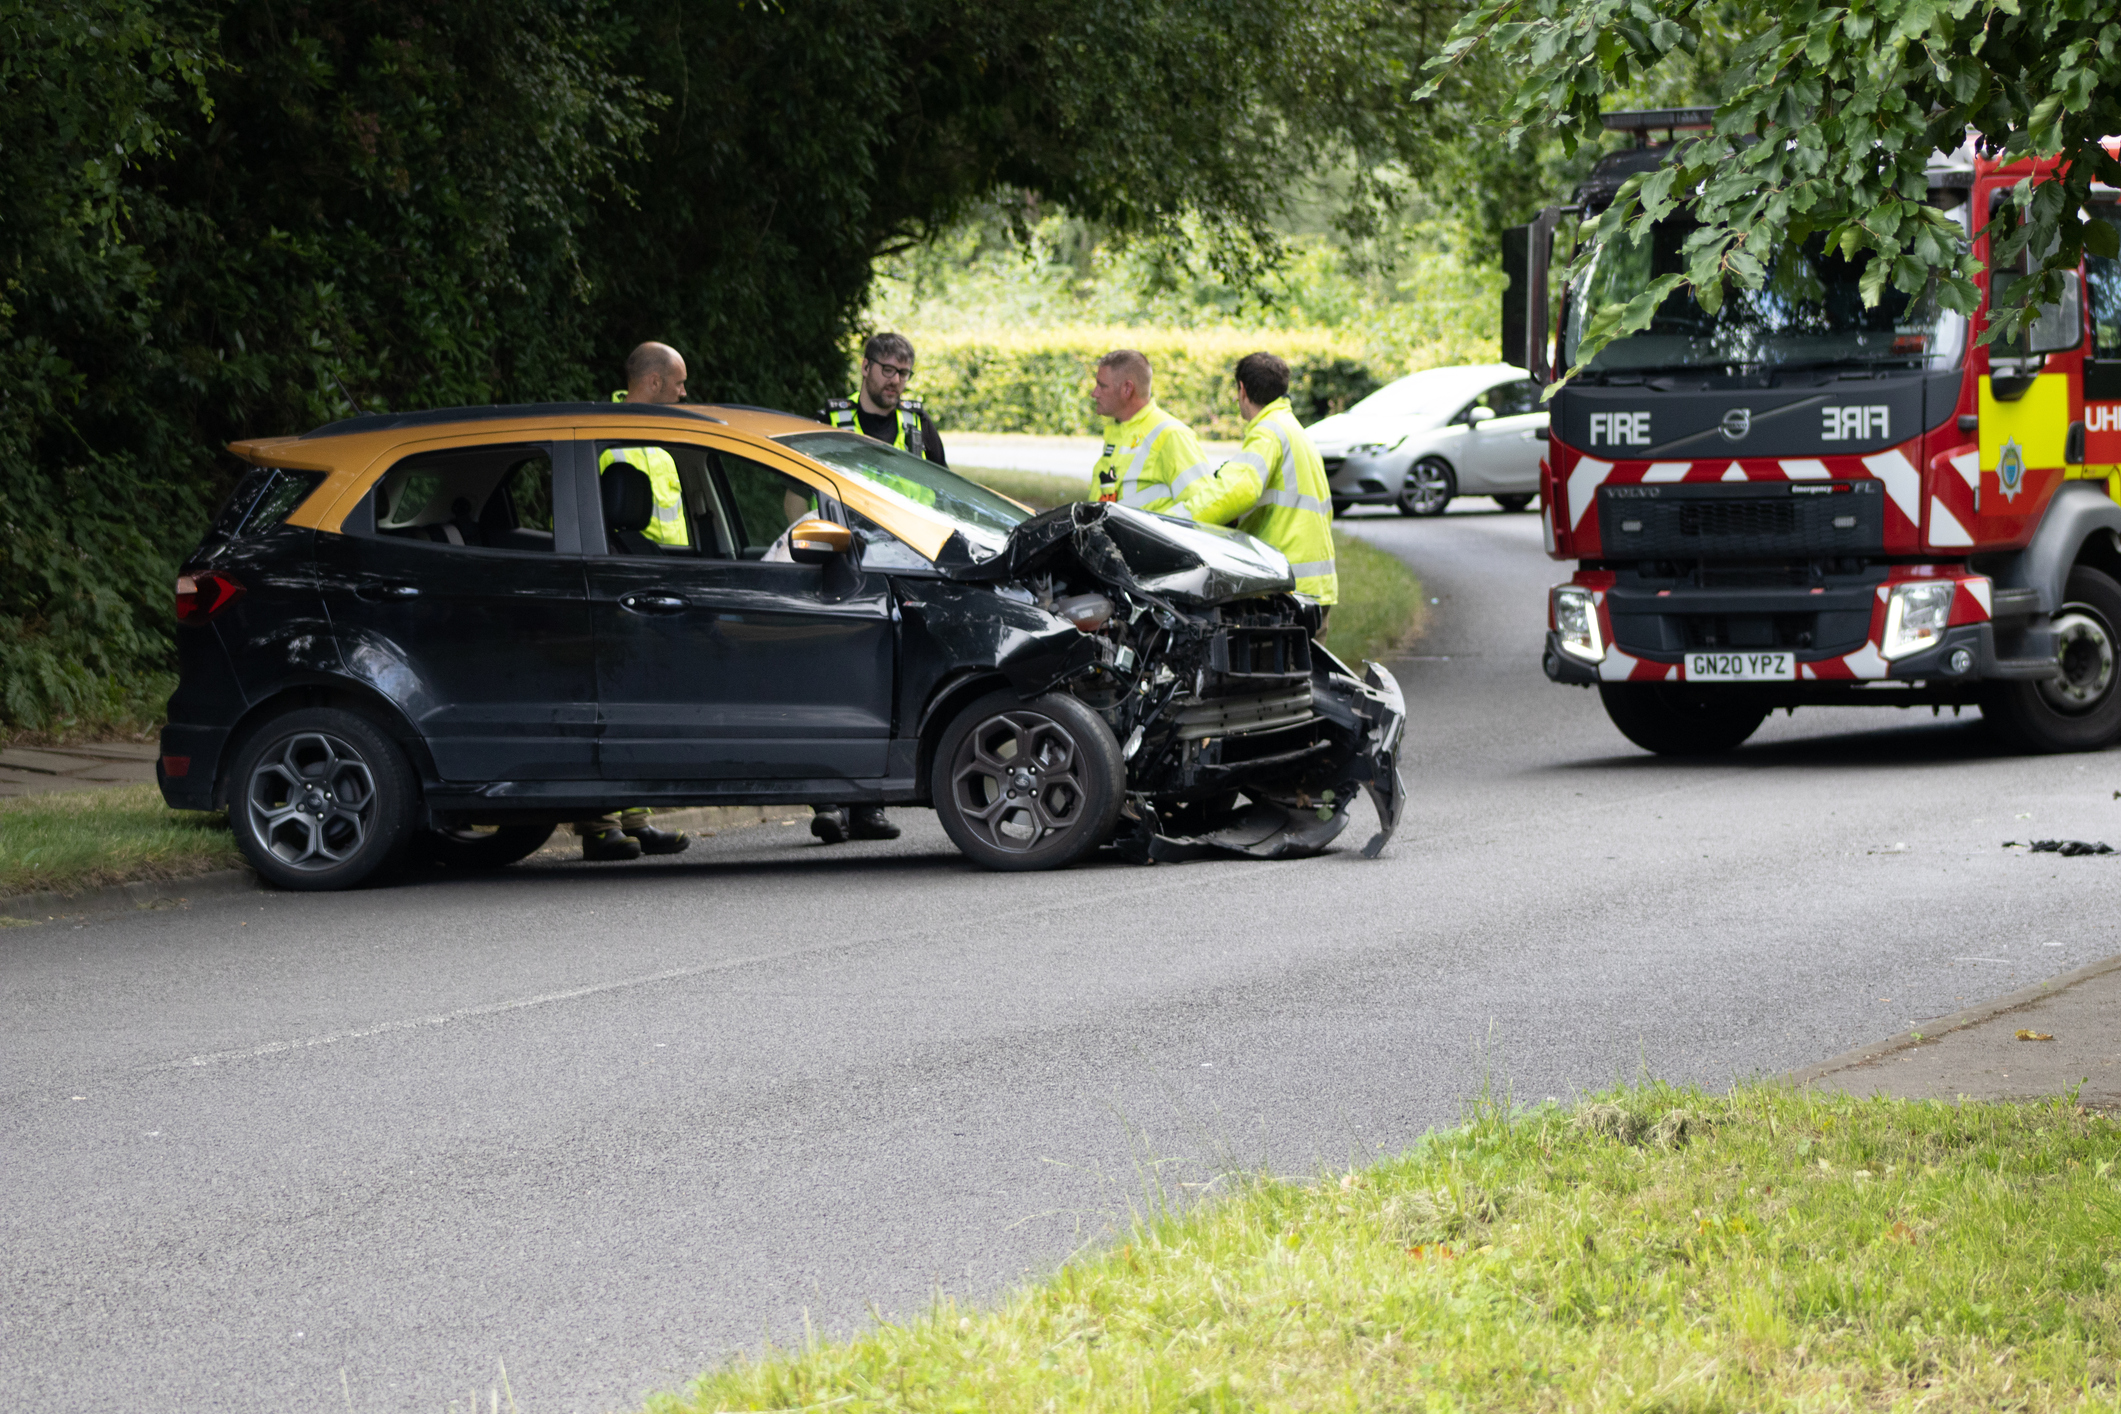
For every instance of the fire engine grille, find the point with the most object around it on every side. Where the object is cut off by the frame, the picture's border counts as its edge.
(1754, 520)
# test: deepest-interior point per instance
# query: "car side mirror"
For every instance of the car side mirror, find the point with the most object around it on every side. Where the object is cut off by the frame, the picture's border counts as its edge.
(1476, 416)
(813, 541)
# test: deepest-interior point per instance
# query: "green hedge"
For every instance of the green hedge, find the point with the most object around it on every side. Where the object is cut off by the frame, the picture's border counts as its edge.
(1039, 381)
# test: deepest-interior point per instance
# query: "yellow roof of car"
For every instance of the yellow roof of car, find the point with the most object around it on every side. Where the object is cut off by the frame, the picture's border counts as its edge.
(354, 454)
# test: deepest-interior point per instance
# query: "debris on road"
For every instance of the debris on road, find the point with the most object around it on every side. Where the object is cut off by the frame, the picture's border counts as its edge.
(2025, 1035)
(2071, 848)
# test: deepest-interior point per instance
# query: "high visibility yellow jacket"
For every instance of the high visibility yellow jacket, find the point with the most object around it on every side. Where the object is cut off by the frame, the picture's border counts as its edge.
(1275, 488)
(668, 527)
(1148, 462)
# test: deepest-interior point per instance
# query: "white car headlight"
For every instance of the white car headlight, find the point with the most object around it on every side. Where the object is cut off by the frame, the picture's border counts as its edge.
(1576, 623)
(1915, 617)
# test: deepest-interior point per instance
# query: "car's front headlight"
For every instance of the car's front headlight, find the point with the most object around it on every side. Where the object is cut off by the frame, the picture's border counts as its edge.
(1576, 622)
(1373, 449)
(1915, 617)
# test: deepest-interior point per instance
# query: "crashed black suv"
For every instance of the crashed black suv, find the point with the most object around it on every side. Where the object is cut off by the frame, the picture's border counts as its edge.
(448, 632)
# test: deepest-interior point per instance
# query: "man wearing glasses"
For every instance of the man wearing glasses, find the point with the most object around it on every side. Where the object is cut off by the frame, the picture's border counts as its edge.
(882, 410)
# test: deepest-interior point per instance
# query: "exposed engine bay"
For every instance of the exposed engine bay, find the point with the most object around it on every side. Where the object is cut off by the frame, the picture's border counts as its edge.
(1241, 733)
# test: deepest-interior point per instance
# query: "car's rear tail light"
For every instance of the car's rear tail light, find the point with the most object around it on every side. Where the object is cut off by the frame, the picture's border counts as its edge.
(176, 767)
(200, 597)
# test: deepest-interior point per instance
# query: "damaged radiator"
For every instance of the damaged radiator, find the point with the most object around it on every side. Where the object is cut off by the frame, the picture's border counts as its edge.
(1248, 712)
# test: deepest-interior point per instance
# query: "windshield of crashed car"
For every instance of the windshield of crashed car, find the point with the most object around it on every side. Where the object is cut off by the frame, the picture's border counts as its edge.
(985, 517)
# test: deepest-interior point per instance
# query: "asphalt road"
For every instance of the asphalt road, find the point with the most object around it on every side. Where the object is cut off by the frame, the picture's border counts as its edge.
(608, 1124)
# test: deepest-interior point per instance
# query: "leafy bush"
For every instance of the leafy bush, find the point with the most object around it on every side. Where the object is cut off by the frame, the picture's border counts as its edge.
(999, 381)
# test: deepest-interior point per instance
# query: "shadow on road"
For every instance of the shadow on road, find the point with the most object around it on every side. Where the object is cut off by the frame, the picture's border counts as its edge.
(1932, 743)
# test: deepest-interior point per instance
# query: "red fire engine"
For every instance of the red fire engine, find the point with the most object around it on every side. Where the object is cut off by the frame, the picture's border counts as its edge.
(1800, 501)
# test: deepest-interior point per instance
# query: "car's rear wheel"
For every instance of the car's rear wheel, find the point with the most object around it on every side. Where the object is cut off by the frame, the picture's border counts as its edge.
(1673, 719)
(321, 799)
(1027, 785)
(1429, 487)
(474, 847)
(2081, 709)
(1513, 503)
(1340, 506)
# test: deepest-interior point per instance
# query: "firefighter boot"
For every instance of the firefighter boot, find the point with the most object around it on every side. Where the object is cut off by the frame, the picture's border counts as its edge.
(867, 822)
(606, 846)
(654, 841)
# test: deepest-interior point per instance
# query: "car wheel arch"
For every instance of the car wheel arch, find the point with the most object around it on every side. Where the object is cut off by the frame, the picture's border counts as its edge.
(342, 693)
(948, 699)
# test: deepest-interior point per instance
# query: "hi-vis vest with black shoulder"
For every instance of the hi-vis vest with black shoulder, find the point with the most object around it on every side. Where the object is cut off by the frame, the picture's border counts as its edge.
(668, 527)
(840, 412)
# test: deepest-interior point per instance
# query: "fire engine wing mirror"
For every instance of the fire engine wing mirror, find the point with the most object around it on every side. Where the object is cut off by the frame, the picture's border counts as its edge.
(812, 541)
(1527, 252)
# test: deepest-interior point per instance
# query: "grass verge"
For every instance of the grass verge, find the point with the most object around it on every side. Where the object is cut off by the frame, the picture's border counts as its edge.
(1654, 1249)
(1380, 599)
(75, 840)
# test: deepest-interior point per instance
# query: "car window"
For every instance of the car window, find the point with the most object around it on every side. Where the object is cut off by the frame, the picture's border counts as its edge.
(1504, 400)
(1514, 399)
(763, 502)
(688, 518)
(263, 498)
(492, 498)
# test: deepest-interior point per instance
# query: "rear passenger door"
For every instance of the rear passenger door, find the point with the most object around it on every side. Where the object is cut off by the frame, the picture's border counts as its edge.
(456, 591)
(715, 662)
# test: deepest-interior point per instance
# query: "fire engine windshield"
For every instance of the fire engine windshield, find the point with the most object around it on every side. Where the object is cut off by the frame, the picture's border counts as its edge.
(1809, 313)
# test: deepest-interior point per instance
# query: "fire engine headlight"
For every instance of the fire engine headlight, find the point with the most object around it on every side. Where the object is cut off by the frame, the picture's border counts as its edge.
(1576, 622)
(1915, 617)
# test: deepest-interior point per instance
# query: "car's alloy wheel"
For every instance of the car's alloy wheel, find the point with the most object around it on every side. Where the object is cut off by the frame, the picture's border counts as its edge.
(2080, 710)
(1027, 785)
(1429, 487)
(321, 799)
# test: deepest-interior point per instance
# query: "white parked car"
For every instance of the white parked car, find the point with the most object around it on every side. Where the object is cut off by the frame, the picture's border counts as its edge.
(1434, 435)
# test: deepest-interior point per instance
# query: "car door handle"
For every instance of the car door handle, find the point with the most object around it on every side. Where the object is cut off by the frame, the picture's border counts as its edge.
(386, 591)
(652, 603)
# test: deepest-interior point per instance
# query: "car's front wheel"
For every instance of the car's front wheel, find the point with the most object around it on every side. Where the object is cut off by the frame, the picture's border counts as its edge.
(1028, 785)
(1429, 487)
(321, 799)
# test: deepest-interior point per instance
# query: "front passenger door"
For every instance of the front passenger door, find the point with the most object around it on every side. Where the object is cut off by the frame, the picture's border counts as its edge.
(1504, 450)
(716, 663)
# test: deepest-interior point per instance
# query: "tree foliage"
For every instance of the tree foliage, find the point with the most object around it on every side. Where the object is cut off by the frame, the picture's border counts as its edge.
(1825, 120)
(244, 217)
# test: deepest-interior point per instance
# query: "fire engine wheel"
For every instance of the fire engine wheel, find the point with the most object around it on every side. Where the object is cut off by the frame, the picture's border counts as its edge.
(2081, 709)
(474, 847)
(1028, 785)
(1673, 719)
(1429, 487)
(321, 799)
(1513, 504)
